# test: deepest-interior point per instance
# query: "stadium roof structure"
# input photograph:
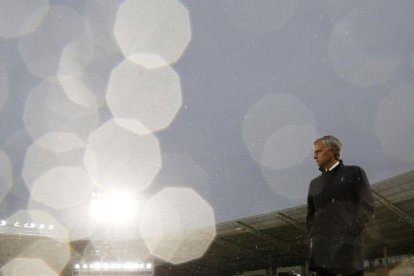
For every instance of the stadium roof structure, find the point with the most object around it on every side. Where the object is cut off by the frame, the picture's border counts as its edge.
(271, 240)
(277, 239)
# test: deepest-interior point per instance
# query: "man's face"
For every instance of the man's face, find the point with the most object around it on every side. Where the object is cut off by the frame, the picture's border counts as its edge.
(323, 155)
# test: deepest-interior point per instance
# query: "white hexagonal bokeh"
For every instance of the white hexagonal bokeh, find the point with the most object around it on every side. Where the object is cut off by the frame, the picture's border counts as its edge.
(69, 47)
(50, 151)
(63, 187)
(48, 109)
(152, 33)
(27, 266)
(178, 225)
(364, 46)
(20, 17)
(122, 159)
(394, 124)
(152, 97)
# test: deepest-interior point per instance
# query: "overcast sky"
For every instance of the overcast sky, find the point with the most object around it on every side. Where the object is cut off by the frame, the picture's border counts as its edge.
(227, 97)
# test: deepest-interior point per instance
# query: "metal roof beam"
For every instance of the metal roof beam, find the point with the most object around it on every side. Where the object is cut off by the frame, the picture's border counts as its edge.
(291, 221)
(400, 213)
(275, 242)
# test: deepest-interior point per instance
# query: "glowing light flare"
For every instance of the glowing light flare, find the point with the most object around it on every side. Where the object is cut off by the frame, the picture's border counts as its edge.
(267, 116)
(114, 207)
(20, 17)
(48, 109)
(152, 97)
(152, 33)
(4, 87)
(62, 187)
(6, 175)
(69, 46)
(27, 266)
(118, 158)
(394, 124)
(364, 45)
(178, 225)
(50, 151)
(260, 17)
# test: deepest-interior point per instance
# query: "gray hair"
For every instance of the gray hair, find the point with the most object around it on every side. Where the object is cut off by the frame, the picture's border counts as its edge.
(331, 142)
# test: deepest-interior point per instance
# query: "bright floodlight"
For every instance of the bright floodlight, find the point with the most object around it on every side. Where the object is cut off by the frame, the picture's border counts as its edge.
(115, 208)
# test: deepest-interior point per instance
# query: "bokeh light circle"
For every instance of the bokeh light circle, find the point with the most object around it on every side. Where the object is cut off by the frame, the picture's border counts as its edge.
(178, 225)
(119, 158)
(365, 45)
(395, 124)
(68, 49)
(27, 266)
(288, 146)
(152, 97)
(100, 15)
(21, 17)
(55, 254)
(62, 187)
(79, 93)
(50, 151)
(267, 116)
(48, 109)
(152, 33)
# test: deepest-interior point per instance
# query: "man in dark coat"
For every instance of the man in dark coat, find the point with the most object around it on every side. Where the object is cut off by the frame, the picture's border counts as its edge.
(340, 204)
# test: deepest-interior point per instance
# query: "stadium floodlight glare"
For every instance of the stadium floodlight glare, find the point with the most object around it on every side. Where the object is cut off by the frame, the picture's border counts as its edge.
(113, 207)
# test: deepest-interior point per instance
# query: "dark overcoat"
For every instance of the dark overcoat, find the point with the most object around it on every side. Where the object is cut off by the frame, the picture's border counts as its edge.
(340, 204)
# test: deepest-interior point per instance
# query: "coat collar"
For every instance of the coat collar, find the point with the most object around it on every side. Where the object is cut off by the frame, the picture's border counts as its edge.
(340, 164)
